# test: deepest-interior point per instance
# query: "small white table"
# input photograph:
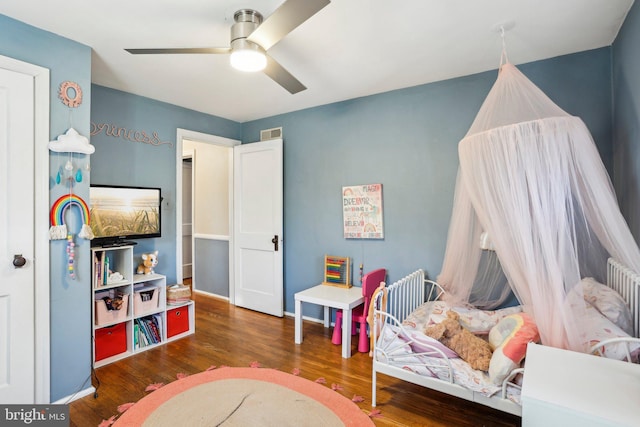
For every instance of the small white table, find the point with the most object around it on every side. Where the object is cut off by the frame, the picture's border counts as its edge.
(330, 297)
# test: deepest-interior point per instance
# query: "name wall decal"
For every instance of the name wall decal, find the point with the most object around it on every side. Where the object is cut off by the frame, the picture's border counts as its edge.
(115, 131)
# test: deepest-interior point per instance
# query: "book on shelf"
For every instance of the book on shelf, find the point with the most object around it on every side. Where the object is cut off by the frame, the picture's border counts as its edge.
(103, 275)
(150, 329)
(105, 269)
(142, 338)
(136, 333)
(157, 324)
(101, 269)
(97, 269)
(143, 335)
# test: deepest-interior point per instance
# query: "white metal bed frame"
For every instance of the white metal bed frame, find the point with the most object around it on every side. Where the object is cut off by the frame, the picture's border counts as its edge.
(626, 282)
(407, 294)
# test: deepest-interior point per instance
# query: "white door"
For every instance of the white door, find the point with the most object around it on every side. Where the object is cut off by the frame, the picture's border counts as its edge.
(257, 226)
(17, 283)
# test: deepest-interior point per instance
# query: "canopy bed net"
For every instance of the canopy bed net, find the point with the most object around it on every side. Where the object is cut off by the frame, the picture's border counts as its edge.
(534, 212)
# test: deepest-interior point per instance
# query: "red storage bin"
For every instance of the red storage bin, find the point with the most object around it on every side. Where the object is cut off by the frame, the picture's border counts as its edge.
(177, 321)
(110, 341)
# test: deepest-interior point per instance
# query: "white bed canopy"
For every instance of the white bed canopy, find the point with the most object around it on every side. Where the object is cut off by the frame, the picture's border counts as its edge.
(532, 187)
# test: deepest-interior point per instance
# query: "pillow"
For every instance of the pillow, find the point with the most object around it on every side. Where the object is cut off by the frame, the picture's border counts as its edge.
(429, 313)
(475, 320)
(600, 329)
(481, 321)
(509, 338)
(609, 303)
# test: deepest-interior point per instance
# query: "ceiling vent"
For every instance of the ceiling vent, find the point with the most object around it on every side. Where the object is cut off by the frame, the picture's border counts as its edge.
(274, 133)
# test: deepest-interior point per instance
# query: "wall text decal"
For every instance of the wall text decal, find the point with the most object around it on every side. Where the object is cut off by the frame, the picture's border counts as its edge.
(127, 134)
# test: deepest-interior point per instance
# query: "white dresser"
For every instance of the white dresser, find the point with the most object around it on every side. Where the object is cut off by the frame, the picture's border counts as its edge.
(566, 388)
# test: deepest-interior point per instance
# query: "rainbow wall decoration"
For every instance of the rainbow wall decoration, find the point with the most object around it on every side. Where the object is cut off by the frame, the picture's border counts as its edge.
(58, 228)
(63, 203)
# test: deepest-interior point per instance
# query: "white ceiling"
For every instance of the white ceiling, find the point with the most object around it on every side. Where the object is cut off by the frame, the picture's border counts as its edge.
(349, 49)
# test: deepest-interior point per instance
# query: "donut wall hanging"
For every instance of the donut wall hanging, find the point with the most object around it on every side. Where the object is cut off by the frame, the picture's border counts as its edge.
(70, 93)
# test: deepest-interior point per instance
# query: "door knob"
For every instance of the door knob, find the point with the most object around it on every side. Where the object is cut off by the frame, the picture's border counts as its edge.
(19, 261)
(275, 242)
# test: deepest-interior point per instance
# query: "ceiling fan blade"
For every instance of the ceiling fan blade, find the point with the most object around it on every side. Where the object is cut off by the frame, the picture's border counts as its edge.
(285, 19)
(281, 76)
(188, 50)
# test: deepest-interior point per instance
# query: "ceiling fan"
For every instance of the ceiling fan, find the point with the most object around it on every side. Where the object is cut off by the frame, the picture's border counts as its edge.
(252, 37)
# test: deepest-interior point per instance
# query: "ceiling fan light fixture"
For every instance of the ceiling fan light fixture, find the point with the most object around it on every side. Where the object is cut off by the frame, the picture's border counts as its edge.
(251, 37)
(248, 60)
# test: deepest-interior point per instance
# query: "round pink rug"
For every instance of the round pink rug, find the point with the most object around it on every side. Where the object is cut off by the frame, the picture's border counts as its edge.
(244, 397)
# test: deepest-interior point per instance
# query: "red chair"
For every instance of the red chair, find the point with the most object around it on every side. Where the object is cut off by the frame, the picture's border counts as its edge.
(370, 283)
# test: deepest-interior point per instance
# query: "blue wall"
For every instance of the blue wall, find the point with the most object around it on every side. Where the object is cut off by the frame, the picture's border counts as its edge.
(407, 140)
(120, 161)
(626, 83)
(70, 310)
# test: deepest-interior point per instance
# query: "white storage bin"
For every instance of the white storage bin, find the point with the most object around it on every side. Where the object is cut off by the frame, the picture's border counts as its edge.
(104, 315)
(145, 299)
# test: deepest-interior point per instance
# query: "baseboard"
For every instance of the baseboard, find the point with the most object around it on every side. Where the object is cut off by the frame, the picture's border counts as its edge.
(75, 396)
(310, 319)
(209, 294)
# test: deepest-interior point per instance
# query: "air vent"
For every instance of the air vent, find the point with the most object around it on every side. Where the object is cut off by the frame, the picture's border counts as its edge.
(266, 134)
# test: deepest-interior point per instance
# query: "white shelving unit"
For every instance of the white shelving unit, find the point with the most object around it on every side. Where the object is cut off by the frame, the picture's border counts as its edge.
(144, 320)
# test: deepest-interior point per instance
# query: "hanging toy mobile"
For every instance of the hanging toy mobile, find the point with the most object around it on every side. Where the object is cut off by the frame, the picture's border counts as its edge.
(70, 142)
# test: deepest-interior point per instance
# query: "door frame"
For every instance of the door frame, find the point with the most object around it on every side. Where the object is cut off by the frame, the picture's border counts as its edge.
(188, 154)
(42, 347)
(182, 134)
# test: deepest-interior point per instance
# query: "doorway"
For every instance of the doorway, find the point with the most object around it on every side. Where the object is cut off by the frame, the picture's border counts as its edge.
(187, 217)
(236, 191)
(203, 244)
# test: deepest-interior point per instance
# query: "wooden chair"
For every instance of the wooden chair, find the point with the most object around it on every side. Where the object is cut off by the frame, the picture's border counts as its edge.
(370, 283)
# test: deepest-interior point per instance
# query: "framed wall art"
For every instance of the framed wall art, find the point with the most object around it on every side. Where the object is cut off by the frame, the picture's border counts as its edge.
(362, 211)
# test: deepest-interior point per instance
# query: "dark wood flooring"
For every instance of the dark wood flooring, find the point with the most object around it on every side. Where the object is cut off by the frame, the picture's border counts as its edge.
(233, 336)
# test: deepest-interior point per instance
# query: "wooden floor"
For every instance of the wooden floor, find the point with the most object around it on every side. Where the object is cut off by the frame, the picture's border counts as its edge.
(232, 336)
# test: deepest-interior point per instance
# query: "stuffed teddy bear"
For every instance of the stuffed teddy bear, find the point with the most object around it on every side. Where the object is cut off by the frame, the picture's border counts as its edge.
(471, 348)
(149, 261)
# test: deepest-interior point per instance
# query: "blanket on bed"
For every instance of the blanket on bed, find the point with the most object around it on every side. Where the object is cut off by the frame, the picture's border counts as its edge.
(509, 330)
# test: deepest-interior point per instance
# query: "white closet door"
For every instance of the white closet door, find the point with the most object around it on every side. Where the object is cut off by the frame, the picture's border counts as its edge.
(17, 297)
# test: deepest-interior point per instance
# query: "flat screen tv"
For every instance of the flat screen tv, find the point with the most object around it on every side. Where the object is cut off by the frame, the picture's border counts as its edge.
(121, 214)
